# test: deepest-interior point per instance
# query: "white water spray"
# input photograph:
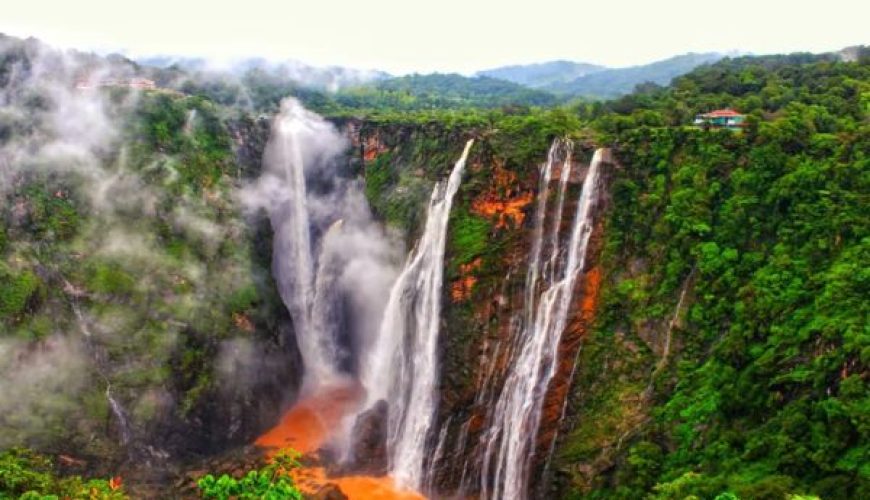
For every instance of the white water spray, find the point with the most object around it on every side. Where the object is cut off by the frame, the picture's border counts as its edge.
(515, 418)
(402, 367)
(292, 259)
(326, 243)
(118, 410)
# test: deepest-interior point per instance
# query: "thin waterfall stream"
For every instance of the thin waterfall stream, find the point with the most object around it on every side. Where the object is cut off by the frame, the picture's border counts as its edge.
(403, 366)
(514, 421)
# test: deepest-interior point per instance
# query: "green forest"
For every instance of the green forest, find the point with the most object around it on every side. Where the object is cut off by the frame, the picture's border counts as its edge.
(767, 395)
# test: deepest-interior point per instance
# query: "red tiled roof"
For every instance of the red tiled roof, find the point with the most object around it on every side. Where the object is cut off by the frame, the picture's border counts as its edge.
(721, 112)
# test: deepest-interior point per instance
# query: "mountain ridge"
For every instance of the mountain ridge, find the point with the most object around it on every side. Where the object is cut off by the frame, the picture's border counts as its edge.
(537, 75)
(581, 79)
(618, 81)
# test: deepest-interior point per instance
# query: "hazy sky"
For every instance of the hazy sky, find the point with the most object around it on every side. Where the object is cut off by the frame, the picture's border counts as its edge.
(445, 35)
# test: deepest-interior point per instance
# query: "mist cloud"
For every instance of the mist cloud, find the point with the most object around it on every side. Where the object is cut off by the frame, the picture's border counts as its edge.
(335, 275)
(56, 136)
(37, 385)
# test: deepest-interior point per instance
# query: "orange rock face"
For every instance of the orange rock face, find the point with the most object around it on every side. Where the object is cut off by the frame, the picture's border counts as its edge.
(579, 322)
(372, 147)
(512, 210)
(503, 199)
(243, 322)
(461, 289)
(581, 319)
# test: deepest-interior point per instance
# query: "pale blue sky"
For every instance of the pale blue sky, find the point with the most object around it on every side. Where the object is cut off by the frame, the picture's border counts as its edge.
(443, 35)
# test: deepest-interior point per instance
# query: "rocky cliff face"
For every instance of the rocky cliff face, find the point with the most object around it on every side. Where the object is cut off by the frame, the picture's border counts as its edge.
(496, 311)
(651, 363)
(488, 251)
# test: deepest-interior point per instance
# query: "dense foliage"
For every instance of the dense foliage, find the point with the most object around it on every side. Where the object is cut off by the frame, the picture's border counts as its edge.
(438, 91)
(126, 266)
(763, 87)
(261, 90)
(26, 475)
(769, 232)
(271, 482)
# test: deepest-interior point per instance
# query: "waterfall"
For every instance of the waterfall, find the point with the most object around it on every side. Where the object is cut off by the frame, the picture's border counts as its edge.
(550, 267)
(402, 367)
(666, 349)
(333, 263)
(326, 314)
(114, 405)
(549, 289)
(292, 260)
(118, 410)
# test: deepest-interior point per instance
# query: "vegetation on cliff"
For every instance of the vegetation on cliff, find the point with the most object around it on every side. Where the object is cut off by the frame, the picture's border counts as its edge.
(728, 357)
(132, 286)
(270, 482)
(757, 383)
(27, 475)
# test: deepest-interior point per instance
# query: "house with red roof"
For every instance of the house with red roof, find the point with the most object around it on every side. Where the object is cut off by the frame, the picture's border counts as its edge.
(721, 118)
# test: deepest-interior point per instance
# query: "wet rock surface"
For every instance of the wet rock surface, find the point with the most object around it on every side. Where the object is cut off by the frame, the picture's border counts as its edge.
(328, 492)
(369, 449)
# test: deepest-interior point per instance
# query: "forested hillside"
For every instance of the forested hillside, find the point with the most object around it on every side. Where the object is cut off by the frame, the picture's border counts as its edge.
(439, 91)
(612, 83)
(731, 347)
(728, 358)
(133, 287)
(542, 74)
(729, 353)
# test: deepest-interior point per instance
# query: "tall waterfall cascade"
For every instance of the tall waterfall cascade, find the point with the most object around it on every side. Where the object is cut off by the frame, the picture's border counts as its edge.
(402, 368)
(554, 268)
(332, 261)
(293, 262)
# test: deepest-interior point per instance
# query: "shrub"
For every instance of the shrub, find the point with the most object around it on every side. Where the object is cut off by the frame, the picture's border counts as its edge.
(27, 475)
(108, 277)
(52, 216)
(16, 291)
(469, 236)
(272, 482)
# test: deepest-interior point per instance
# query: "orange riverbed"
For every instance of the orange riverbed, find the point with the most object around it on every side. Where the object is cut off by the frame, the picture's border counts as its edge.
(312, 479)
(307, 426)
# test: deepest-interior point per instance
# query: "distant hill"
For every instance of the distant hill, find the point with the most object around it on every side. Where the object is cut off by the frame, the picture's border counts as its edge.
(542, 74)
(440, 90)
(614, 82)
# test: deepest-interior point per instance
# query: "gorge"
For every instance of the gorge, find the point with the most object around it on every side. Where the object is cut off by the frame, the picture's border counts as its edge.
(398, 365)
(213, 284)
